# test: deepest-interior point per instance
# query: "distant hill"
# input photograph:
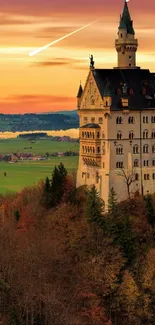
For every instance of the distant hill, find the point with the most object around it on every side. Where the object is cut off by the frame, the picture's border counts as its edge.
(69, 113)
(31, 122)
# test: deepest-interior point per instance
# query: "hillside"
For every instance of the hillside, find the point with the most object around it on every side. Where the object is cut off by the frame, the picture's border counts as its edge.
(64, 262)
(32, 122)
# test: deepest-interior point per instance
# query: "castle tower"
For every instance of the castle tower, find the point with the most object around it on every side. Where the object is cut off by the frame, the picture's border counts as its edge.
(126, 44)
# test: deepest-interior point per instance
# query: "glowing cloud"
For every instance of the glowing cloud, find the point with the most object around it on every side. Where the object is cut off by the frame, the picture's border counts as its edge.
(40, 49)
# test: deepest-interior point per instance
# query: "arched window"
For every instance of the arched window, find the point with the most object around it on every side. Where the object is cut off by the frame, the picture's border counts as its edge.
(98, 135)
(152, 119)
(153, 175)
(119, 150)
(119, 120)
(153, 148)
(135, 149)
(136, 177)
(145, 134)
(146, 177)
(131, 120)
(136, 163)
(119, 91)
(119, 135)
(119, 164)
(131, 135)
(145, 148)
(153, 134)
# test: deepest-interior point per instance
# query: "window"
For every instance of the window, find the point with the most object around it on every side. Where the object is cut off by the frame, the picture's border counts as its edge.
(145, 119)
(153, 148)
(152, 119)
(153, 162)
(119, 135)
(136, 163)
(135, 149)
(93, 120)
(145, 148)
(131, 91)
(131, 135)
(146, 163)
(98, 150)
(85, 119)
(153, 175)
(103, 165)
(119, 164)
(119, 120)
(100, 120)
(153, 135)
(118, 91)
(136, 177)
(103, 135)
(97, 177)
(88, 175)
(131, 120)
(119, 150)
(145, 134)
(146, 177)
(98, 135)
(83, 175)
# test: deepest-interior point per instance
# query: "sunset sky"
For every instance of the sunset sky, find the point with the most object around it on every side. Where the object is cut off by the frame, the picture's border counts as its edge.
(49, 81)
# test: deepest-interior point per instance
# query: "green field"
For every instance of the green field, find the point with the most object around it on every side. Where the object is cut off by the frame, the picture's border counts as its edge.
(27, 173)
(22, 174)
(38, 147)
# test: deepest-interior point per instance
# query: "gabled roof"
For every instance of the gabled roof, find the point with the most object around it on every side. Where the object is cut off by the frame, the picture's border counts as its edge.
(80, 92)
(136, 79)
(125, 21)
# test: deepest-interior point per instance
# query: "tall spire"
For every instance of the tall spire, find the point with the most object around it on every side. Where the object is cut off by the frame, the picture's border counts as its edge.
(126, 44)
(125, 21)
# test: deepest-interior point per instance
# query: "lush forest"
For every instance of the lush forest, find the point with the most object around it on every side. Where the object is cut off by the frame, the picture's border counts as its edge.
(32, 122)
(65, 262)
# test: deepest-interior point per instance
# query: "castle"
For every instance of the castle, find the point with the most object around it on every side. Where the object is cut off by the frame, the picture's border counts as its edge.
(117, 123)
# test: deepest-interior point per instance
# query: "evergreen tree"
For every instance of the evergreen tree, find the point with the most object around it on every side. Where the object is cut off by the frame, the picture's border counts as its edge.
(47, 185)
(150, 210)
(112, 201)
(95, 207)
(17, 215)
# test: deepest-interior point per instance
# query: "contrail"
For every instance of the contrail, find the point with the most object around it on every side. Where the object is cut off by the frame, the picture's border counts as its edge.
(40, 49)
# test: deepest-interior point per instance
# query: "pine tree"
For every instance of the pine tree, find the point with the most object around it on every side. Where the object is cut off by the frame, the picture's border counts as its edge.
(95, 207)
(150, 210)
(112, 201)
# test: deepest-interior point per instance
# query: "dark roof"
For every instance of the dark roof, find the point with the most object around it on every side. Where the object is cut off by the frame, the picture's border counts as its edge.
(107, 90)
(125, 21)
(80, 92)
(136, 79)
(90, 126)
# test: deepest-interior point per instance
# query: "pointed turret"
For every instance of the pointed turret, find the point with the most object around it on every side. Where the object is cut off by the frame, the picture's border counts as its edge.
(80, 91)
(126, 44)
(79, 95)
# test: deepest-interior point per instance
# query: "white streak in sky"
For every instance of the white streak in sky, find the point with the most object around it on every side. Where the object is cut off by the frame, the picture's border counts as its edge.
(40, 49)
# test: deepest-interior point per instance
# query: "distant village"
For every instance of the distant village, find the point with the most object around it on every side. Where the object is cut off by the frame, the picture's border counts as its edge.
(29, 155)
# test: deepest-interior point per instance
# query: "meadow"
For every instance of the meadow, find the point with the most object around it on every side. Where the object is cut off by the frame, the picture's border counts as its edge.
(27, 173)
(38, 147)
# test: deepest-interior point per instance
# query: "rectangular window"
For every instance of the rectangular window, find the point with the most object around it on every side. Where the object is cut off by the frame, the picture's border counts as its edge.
(85, 119)
(100, 120)
(93, 120)
(88, 175)
(153, 162)
(145, 119)
(103, 165)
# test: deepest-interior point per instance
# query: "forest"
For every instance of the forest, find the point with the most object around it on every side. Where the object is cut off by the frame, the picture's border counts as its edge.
(65, 262)
(33, 122)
